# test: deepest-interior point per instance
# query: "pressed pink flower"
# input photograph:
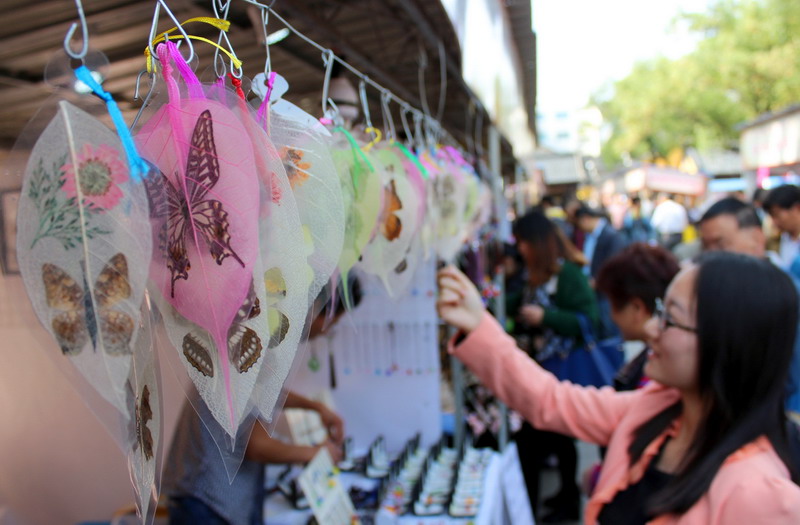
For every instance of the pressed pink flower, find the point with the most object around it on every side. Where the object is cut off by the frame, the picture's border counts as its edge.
(99, 173)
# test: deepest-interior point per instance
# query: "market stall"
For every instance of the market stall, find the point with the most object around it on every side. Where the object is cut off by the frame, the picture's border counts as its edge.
(176, 245)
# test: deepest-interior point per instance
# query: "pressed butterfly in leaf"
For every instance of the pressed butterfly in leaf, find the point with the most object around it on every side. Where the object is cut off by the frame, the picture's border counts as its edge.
(144, 413)
(76, 325)
(186, 211)
(244, 345)
(277, 321)
(296, 168)
(390, 224)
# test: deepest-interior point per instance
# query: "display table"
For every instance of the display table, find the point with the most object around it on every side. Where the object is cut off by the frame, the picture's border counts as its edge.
(504, 496)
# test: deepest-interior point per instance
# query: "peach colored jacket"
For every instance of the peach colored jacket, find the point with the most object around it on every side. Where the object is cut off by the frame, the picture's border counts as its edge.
(753, 486)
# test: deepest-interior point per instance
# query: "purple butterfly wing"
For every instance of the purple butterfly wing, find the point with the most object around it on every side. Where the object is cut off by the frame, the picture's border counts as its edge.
(167, 206)
(202, 173)
(202, 167)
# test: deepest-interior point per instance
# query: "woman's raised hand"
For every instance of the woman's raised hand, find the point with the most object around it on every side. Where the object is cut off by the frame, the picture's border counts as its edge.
(459, 302)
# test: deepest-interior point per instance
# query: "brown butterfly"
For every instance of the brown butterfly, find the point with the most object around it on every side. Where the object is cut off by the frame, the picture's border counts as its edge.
(184, 213)
(144, 414)
(244, 345)
(296, 168)
(76, 325)
(390, 224)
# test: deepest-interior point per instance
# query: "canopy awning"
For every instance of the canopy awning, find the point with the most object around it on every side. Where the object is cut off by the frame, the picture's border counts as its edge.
(668, 180)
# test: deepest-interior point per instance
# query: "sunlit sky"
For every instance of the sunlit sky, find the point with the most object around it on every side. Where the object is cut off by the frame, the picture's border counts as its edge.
(586, 44)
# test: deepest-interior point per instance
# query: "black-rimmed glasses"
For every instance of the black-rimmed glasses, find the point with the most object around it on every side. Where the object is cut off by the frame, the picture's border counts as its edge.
(665, 321)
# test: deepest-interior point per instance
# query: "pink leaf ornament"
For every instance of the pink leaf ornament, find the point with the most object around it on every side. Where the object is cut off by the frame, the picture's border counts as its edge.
(204, 207)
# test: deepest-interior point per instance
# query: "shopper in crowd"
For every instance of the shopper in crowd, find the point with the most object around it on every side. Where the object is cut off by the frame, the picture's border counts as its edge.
(634, 281)
(553, 211)
(759, 195)
(669, 219)
(704, 442)
(195, 477)
(570, 208)
(635, 225)
(733, 226)
(548, 320)
(783, 206)
(602, 242)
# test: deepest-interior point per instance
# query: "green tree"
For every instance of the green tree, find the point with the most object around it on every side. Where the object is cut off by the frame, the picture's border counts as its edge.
(747, 63)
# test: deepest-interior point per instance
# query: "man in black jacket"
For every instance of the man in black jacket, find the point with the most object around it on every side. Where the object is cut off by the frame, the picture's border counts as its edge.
(602, 242)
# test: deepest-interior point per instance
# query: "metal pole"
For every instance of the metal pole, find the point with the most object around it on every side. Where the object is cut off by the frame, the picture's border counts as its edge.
(519, 180)
(457, 369)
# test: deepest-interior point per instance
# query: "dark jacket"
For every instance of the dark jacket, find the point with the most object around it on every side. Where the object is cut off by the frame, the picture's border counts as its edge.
(573, 295)
(610, 243)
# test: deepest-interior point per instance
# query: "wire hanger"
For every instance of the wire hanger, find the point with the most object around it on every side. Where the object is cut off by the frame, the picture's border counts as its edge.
(223, 7)
(362, 94)
(147, 97)
(328, 58)
(154, 31)
(405, 108)
(268, 60)
(327, 61)
(388, 120)
(80, 55)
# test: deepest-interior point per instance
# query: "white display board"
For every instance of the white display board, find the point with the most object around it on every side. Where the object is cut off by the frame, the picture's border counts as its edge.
(381, 364)
(324, 491)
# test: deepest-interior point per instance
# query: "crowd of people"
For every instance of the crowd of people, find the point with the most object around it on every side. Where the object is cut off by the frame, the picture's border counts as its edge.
(698, 425)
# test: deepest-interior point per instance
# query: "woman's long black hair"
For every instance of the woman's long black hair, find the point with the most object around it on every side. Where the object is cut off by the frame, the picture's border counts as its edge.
(747, 315)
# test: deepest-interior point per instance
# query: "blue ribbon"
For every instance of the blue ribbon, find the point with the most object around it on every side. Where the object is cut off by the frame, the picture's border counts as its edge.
(138, 167)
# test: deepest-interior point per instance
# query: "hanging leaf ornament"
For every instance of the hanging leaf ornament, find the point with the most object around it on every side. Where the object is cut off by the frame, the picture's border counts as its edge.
(303, 145)
(361, 187)
(398, 220)
(279, 279)
(204, 206)
(83, 248)
(84, 244)
(451, 196)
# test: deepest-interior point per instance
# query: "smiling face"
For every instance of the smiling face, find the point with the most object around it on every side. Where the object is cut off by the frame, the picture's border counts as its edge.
(674, 359)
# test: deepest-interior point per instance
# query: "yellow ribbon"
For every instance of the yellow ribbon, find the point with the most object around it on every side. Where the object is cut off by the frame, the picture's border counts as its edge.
(374, 141)
(222, 25)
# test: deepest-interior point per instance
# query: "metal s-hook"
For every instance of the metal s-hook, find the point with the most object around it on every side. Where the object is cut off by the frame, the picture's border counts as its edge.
(405, 108)
(80, 55)
(147, 97)
(388, 120)
(224, 6)
(327, 59)
(362, 92)
(154, 30)
(418, 130)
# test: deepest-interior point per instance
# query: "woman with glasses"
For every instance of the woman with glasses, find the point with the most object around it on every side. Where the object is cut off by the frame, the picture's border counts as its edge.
(704, 442)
